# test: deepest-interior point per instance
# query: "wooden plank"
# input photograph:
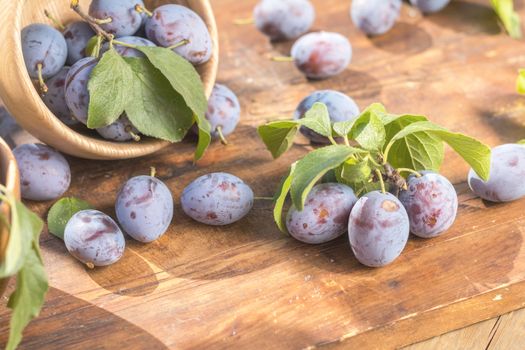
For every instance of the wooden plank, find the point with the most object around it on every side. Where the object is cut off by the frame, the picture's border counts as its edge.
(509, 333)
(246, 285)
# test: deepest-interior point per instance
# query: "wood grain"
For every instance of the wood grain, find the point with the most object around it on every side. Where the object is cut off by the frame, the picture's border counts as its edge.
(25, 104)
(246, 285)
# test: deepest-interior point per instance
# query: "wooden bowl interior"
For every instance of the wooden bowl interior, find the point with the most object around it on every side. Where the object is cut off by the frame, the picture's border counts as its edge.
(35, 117)
(10, 179)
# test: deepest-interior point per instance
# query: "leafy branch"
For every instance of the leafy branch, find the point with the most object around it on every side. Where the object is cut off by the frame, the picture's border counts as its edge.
(385, 146)
(23, 260)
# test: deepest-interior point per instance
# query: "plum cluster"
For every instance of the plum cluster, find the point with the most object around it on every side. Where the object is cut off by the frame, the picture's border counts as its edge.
(144, 205)
(378, 223)
(62, 61)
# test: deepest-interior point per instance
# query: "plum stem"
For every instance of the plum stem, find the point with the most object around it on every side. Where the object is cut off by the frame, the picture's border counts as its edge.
(263, 198)
(129, 130)
(347, 142)
(407, 170)
(93, 22)
(283, 59)
(381, 182)
(41, 82)
(394, 176)
(54, 20)
(221, 135)
(243, 21)
(90, 265)
(153, 171)
(180, 43)
(141, 9)
(332, 140)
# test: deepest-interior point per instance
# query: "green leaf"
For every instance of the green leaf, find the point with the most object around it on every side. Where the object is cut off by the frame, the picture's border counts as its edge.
(343, 128)
(510, 18)
(280, 198)
(353, 171)
(318, 120)
(313, 166)
(369, 131)
(520, 83)
(181, 74)
(155, 109)
(521, 142)
(110, 90)
(61, 212)
(185, 79)
(416, 151)
(278, 136)
(31, 281)
(21, 234)
(475, 153)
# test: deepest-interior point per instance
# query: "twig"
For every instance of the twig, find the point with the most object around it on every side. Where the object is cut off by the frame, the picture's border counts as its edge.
(93, 22)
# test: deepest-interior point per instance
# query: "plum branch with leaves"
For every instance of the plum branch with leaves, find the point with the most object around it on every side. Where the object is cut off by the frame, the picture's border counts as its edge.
(374, 151)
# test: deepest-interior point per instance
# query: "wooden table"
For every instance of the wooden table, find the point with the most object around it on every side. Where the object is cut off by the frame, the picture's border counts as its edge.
(246, 285)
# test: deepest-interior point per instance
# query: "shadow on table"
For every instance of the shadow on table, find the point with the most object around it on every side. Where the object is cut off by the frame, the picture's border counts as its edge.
(467, 17)
(403, 39)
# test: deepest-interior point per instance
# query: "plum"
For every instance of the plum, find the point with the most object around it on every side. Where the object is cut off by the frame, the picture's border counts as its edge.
(94, 238)
(321, 55)
(121, 130)
(44, 173)
(375, 17)
(171, 24)
(325, 214)
(431, 203)
(284, 20)
(125, 19)
(77, 35)
(340, 108)
(144, 208)
(77, 94)
(507, 174)
(378, 229)
(224, 111)
(44, 49)
(430, 6)
(55, 98)
(217, 199)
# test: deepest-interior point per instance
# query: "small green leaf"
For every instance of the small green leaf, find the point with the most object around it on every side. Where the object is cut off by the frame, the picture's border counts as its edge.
(369, 131)
(91, 45)
(31, 280)
(155, 109)
(313, 166)
(475, 153)
(278, 136)
(520, 83)
(521, 142)
(110, 90)
(510, 18)
(318, 120)
(61, 212)
(280, 198)
(204, 136)
(353, 171)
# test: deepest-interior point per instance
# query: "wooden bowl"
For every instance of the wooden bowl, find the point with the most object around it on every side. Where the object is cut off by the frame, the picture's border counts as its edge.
(9, 178)
(22, 99)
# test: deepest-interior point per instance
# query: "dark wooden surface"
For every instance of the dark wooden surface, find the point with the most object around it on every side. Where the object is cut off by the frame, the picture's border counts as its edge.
(246, 285)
